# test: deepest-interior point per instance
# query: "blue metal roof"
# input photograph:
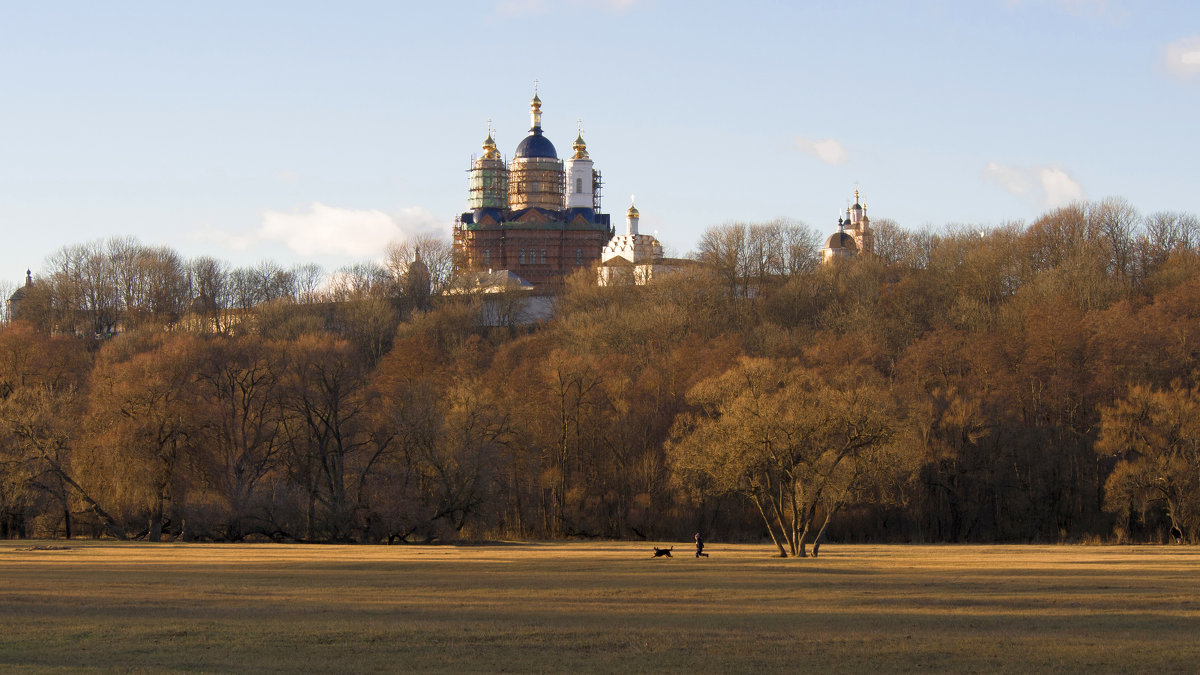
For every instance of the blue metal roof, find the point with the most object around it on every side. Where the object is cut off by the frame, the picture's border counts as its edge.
(536, 145)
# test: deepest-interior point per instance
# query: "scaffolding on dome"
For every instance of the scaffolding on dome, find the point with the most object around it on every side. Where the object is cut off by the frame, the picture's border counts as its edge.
(487, 184)
(536, 182)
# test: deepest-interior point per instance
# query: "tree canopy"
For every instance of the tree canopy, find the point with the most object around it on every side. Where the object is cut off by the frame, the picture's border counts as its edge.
(1013, 383)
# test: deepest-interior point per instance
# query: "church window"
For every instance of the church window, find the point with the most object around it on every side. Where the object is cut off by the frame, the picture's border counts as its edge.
(543, 256)
(487, 257)
(522, 259)
(578, 256)
(578, 185)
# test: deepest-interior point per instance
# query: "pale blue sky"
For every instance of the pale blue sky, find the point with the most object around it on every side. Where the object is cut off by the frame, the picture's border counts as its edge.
(317, 131)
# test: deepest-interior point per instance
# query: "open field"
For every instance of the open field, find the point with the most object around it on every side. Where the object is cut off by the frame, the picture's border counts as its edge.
(597, 606)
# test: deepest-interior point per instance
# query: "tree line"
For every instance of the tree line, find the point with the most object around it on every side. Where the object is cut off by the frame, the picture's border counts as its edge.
(1015, 383)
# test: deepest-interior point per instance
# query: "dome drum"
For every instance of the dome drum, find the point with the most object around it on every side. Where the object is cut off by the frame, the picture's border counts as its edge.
(536, 182)
(488, 185)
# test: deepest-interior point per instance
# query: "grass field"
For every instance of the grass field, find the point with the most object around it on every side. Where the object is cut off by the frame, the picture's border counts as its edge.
(596, 607)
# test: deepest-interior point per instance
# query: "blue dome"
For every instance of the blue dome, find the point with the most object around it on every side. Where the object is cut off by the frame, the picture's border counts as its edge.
(536, 145)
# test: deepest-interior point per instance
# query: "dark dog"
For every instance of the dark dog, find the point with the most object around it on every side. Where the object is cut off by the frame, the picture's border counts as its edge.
(663, 552)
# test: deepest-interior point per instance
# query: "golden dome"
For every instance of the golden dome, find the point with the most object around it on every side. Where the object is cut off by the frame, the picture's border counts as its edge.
(579, 147)
(489, 148)
(632, 212)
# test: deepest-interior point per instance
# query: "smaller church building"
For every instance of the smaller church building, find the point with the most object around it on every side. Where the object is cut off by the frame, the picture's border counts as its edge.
(633, 257)
(854, 236)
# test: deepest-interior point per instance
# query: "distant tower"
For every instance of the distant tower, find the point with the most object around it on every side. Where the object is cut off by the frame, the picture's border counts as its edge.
(21, 294)
(581, 198)
(535, 174)
(860, 226)
(488, 196)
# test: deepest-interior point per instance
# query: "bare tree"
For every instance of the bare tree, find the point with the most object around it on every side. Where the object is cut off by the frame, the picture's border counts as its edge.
(145, 427)
(239, 388)
(435, 256)
(308, 279)
(7, 288)
(358, 280)
(272, 282)
(799, 447)
(326, 406)
(723, 249)
(1116, 224)
(209, 291)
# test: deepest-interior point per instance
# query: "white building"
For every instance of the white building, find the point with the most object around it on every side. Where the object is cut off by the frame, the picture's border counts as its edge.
(633, 258)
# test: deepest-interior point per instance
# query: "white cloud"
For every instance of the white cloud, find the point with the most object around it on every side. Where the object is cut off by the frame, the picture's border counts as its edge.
(827, 150)
(1013, 180)
(1048, 186)
(1182, 57)
(320, 230)
(1059, 188)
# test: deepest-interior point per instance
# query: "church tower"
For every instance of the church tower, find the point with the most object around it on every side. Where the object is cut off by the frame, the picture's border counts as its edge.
(488, 193)
(535, 174)
(582, 197)
(860, 226)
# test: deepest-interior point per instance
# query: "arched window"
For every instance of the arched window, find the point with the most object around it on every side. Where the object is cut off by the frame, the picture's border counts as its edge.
(543, 256)
(578, 185)
(487, 257)
(578, 256)
(521, 261)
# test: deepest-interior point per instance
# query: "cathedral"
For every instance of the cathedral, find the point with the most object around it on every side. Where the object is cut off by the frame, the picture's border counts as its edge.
(536, 216)
(854, 236)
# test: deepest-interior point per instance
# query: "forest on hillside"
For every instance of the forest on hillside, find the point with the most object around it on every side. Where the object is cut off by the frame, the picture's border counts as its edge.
(1017, 383)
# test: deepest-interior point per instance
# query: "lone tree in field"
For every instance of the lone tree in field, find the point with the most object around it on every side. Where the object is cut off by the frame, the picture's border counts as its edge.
(797, 446)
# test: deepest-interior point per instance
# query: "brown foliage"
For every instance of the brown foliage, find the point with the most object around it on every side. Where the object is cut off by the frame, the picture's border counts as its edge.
(263, 401)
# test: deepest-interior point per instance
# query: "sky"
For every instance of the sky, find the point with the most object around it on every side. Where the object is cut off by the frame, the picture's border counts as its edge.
(319, 132)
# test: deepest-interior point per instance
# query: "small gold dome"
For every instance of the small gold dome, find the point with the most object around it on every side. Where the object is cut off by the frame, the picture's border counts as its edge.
(489, 148)
(580, 148)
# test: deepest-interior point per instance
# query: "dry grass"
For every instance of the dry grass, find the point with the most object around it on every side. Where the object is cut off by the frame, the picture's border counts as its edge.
(597, 607)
